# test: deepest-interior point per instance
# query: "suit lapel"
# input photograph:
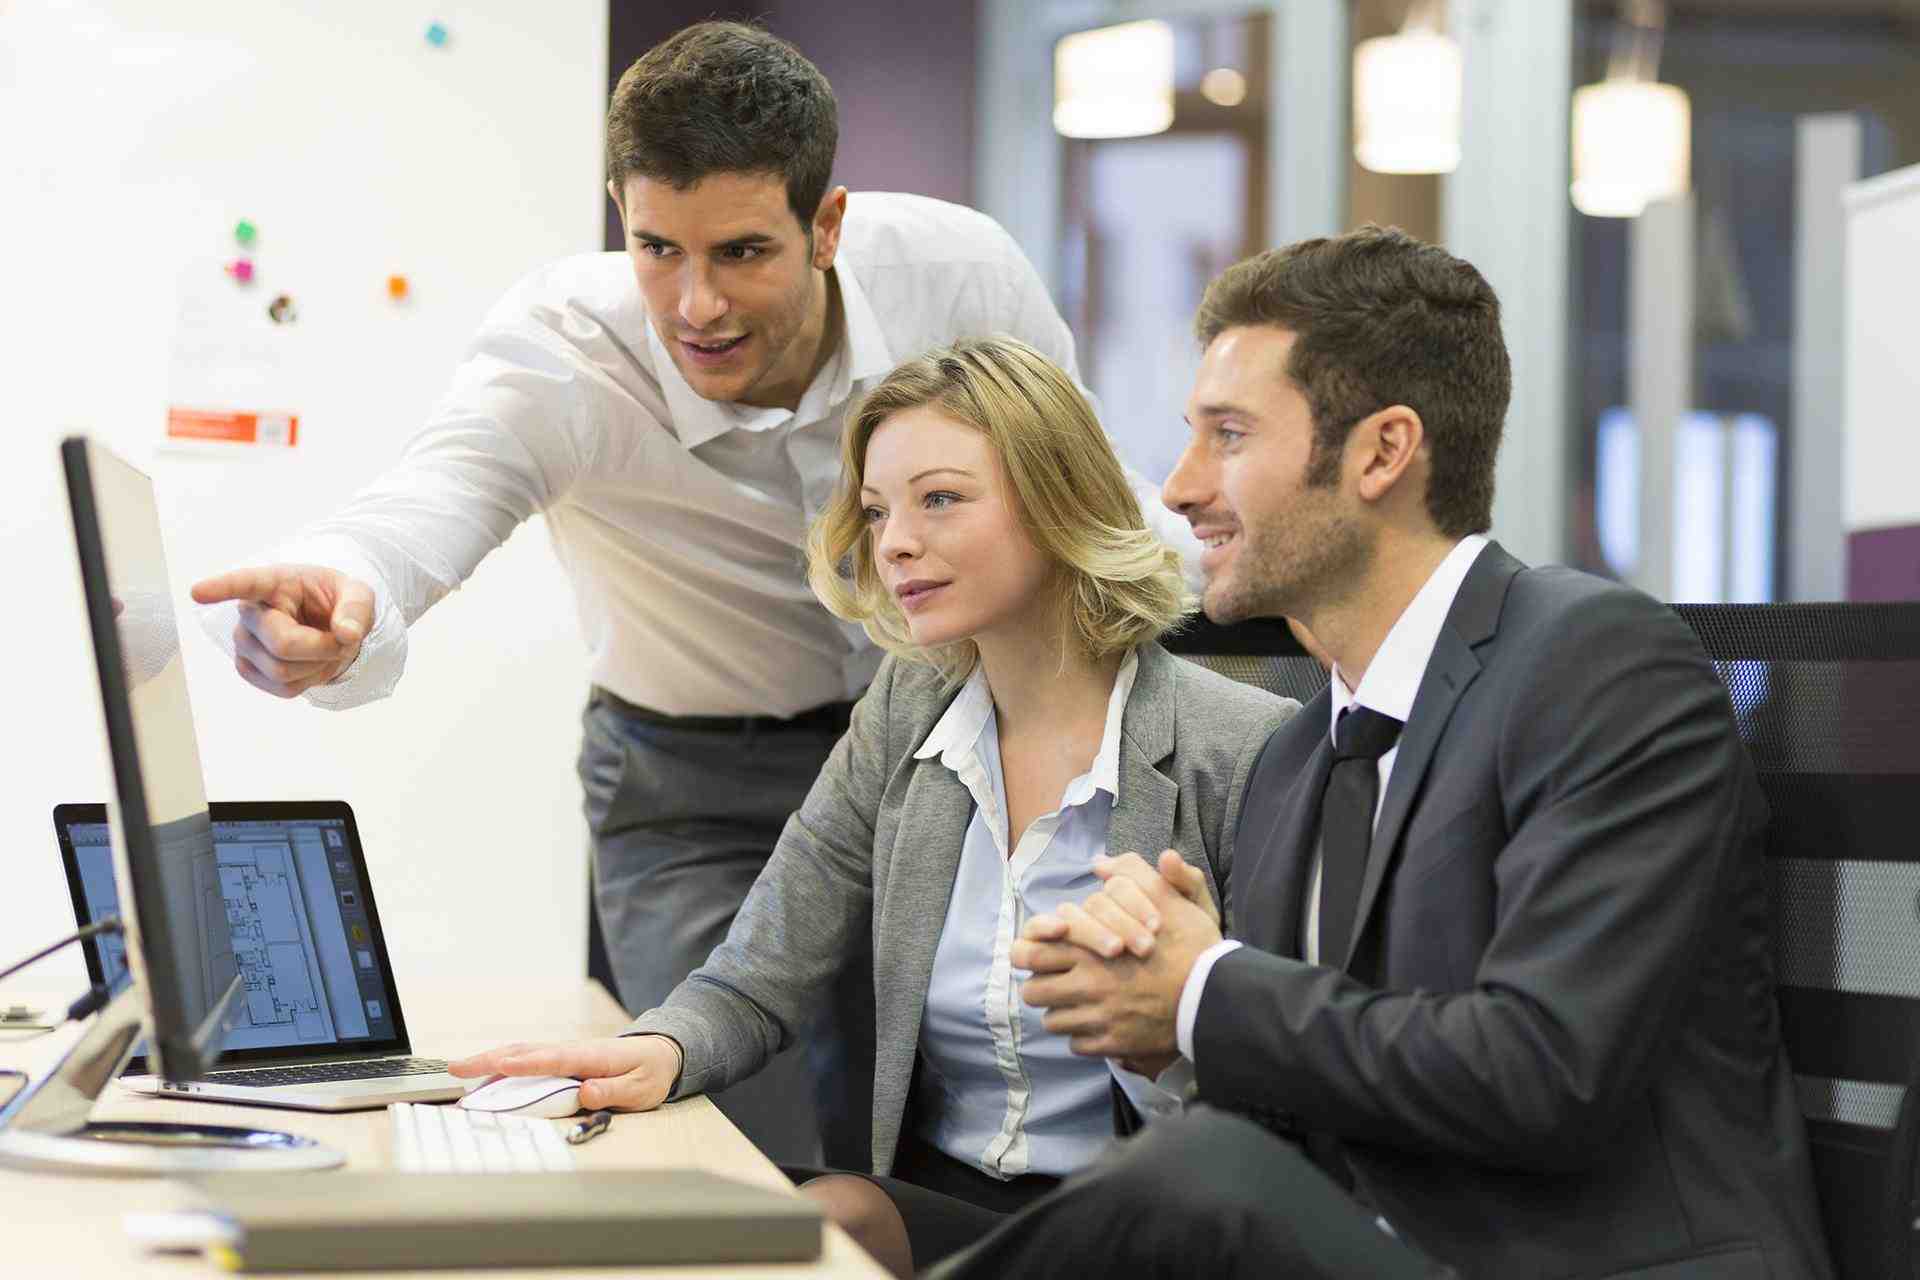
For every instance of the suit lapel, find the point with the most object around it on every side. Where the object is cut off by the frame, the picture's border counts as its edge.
(1145, 798)
(1473, 619)
(926, 858)
(1290, 849)
(1142, 819)
(1273, 842)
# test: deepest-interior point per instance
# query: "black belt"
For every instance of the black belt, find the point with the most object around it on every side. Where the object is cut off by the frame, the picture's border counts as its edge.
(832, 716)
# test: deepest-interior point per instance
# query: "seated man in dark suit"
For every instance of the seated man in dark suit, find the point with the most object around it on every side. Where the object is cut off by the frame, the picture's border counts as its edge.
(1499, 1000)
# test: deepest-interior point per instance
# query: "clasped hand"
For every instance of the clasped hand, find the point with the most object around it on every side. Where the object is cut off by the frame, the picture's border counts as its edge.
(1109, 971)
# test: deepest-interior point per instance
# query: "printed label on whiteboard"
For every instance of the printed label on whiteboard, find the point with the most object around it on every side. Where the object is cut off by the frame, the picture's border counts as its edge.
(282, 429)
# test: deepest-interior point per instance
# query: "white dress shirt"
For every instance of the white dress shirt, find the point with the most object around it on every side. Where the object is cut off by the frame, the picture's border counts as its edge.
(680, 521)
(997, 1090)
(1391, 683)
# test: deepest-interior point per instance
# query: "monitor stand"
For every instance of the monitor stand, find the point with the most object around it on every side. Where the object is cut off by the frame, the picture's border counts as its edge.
(46, 1127)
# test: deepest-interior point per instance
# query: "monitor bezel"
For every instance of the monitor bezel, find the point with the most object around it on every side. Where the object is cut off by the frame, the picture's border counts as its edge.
(149, 930)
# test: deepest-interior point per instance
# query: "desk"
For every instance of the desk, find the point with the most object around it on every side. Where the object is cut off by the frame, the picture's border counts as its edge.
(70, 1226)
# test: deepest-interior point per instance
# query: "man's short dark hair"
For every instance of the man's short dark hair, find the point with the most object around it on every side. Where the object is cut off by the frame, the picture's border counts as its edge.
(724, 97)
(1381, 318)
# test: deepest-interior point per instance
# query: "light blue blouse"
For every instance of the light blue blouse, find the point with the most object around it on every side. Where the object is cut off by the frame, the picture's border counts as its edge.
(996, 1089)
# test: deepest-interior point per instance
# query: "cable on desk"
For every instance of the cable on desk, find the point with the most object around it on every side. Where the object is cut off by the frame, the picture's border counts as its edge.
(87, 1005)
(106, 924)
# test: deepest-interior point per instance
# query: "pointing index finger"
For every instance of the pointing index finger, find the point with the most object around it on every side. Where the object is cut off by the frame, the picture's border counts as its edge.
(237, 584)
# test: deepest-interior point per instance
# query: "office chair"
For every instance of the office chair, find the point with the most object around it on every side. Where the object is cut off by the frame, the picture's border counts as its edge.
(1260, 652)
(1827, 700)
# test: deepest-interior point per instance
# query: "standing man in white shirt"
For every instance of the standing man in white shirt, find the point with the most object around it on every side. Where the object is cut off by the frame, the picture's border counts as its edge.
(675, 413)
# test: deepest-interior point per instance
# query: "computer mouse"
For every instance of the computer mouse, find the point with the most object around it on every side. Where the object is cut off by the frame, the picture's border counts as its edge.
(548, 1097)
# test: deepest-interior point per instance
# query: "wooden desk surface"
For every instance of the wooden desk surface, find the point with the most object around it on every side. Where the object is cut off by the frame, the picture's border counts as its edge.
(55, 1225)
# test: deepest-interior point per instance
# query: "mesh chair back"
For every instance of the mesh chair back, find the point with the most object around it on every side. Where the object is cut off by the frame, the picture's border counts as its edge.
(1827, 698)
(1261, 652)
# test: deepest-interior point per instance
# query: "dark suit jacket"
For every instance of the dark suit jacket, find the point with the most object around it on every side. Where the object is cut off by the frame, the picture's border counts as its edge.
(1556, 1051)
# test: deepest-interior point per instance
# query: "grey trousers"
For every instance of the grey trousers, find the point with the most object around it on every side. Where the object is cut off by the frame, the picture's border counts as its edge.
(684, 814)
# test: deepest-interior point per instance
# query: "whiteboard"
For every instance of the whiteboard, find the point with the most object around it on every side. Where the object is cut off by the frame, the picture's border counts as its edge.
(133, 136)
(1883, 351)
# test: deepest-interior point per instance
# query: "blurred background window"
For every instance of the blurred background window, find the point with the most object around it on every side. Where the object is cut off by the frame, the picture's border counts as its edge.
(1230, 126)
(1147, 220)
(1790, 99)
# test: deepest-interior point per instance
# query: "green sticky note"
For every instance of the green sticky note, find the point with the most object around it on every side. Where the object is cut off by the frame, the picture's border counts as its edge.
(244, 231)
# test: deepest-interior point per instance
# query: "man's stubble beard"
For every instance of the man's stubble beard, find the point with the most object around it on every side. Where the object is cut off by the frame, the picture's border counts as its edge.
(1296, 573)
(793, 323)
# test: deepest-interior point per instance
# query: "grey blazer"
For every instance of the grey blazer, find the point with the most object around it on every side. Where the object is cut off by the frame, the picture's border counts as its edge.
(877, 844)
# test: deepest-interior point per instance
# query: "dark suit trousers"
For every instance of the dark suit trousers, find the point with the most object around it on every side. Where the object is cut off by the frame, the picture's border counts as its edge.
(1203, 1194)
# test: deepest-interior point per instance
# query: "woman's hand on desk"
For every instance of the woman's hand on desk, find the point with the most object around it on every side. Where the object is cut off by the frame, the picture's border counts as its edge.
(628, 1073)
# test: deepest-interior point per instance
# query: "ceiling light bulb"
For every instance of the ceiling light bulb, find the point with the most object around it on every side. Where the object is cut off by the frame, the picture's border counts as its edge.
(1631, 146)
(1114, 82)
(1224, 87)
(1406, 103)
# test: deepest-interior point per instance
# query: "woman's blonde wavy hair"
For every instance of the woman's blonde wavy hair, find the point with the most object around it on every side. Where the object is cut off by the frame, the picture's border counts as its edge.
(1118, 583)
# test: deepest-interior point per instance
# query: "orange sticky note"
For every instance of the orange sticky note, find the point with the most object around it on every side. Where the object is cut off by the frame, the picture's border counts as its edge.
(236, 428)
(396, 287)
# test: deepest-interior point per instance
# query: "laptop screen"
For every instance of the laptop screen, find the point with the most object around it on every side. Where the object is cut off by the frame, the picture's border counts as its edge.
(290, 881)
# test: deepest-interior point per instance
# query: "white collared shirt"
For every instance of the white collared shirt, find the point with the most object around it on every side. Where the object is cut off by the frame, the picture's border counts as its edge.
(997, 1090)
(1390, 685)
(680, 521)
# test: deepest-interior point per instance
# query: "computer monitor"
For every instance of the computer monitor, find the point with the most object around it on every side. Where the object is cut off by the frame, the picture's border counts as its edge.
(177, 943)
(177, 946)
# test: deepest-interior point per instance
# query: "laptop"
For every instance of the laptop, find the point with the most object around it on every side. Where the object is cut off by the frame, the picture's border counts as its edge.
(318, 1026)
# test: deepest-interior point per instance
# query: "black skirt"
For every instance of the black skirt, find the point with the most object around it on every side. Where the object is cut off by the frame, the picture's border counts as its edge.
(947, 1204)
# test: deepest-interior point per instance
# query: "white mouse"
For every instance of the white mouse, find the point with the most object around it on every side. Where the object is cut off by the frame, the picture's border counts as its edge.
(548, 1097)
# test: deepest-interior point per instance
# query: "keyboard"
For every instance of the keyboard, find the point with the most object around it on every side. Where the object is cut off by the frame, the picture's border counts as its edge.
(447, 1139)
(327, 1072)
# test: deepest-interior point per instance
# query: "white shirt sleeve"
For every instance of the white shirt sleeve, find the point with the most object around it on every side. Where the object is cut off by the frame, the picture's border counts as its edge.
(1163, 1095)
(1189, 1008)
(506, 439)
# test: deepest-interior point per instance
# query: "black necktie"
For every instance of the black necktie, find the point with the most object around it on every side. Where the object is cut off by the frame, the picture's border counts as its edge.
(1360, 738)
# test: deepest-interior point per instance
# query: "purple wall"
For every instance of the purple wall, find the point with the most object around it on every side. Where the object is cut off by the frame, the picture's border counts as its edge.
(903, 75)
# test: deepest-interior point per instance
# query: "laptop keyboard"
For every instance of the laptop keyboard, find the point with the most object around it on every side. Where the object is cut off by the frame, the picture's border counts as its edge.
(327, 1072)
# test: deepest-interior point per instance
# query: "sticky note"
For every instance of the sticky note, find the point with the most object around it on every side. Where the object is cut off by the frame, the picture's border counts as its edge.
(437, 35)
(241, 269)
(234, 428)
(244, 232)
(397, 287)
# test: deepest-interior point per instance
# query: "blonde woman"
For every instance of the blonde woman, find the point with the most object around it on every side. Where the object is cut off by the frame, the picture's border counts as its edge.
(1024, 725)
